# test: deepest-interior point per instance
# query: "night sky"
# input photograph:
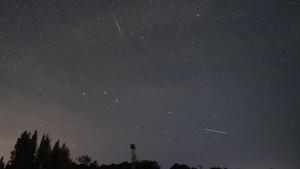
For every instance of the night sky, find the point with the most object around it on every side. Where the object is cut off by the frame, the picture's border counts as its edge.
(207, 82)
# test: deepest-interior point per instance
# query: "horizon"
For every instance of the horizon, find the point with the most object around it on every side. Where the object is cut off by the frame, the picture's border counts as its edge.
(75, 159)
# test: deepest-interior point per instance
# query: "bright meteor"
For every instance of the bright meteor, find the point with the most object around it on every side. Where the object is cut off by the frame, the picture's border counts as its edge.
(215, 131)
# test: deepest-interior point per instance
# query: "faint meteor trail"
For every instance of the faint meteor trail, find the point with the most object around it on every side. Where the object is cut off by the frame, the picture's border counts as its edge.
(118, 26)
(215, 131)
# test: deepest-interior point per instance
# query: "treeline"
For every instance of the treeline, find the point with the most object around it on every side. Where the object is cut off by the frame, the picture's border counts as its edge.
(28, 154)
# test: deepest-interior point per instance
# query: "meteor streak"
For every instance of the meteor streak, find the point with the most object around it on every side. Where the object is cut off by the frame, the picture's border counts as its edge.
(118, 26)
(215, 131)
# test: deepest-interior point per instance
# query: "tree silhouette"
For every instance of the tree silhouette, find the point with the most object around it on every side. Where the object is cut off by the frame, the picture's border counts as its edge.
(32, 150)
(23, 155)
(60, 157)
(84, 160)
(43, 153)
(180, 166)
(145, 164)
(94, 165)
(26, 154)
(2, 164)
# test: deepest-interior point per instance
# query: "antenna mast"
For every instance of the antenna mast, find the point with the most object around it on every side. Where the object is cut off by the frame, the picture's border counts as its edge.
(133, 155)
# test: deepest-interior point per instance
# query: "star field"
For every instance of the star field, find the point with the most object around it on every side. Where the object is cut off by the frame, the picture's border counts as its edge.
(200, 82)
